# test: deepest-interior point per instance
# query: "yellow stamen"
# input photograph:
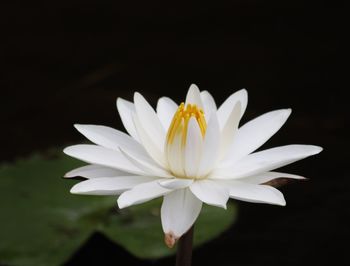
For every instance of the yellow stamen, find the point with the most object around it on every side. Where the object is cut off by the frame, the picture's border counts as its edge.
(181, 120)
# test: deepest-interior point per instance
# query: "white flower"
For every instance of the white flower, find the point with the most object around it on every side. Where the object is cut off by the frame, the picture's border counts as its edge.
(188, 154)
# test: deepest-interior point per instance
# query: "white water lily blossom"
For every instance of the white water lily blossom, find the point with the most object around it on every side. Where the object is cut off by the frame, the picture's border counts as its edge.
(188, 154)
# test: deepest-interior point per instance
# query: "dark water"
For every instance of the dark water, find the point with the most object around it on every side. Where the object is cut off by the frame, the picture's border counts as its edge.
(64, 63)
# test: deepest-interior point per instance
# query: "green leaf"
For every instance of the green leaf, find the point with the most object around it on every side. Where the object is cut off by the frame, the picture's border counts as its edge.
(43, 224)
(139, 229)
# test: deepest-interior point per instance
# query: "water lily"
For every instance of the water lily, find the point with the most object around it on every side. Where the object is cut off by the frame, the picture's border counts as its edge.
(188, 154)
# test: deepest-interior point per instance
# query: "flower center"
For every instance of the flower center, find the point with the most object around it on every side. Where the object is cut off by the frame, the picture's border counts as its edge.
(177, 137)
(181, 119)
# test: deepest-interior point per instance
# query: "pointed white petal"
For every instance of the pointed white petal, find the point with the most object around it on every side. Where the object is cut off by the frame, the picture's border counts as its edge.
(208, 103)
(211, 146)
(179, 211)
(142, 193)
(193, 148)
(175, 183)
(255, 133)
(110, 138)
(125, 110)
(194, 96)
(152, 149)
(99, 155)
(254, 193)
(229, 129)
(266, 177)
(115, 140)
(210, 192)
(175, 153)
(149, 121)
(109, 185)
(225, 109)
(166, 109)
(266, 160)
(95, 171)
(147, 166)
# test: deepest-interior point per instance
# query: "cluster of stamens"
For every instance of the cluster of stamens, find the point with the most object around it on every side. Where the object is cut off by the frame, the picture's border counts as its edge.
(181, 119)
(176, 141)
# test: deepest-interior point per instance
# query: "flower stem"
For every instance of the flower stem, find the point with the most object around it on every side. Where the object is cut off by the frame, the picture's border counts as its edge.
(184, 249)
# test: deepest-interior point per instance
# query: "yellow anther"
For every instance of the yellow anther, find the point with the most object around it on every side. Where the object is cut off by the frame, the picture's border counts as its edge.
(181, 119)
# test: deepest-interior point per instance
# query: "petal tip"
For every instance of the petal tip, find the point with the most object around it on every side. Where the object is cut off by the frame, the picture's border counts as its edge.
(315, 149)
(288, 111)
(79, 127)
(193, 90)
(193, 86)
(66, 150)
(170, 239)
(318, 149)
(137, 96)
(75, 190)
(161, 183)
(119, 101)
(119, 104)
(282, 201)
(71, 149)
(68, 175)
(299, 177)
(244, 90)
(121, 203)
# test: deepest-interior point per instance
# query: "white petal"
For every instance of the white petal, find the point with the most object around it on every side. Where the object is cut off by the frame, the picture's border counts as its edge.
(229, 129)
(95, 171)
(255, 193)
(210, 192)
(99, 155)
(255, 133)
(175, 183)
(194, 96)
(110, 138)
(109, 185)
(225, 109)
(147, 166)
(166, 109)
(208, 103)
(266, 177)
(175, 153)
(142, 193)
(193, 148)
(179, 211)
(266, 160)
(125, 110)
(149, 121)
(152, 149)
(211, 146)
(115, 140)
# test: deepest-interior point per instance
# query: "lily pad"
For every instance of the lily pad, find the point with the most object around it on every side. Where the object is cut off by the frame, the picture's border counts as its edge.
(43, 224)
(139, 229)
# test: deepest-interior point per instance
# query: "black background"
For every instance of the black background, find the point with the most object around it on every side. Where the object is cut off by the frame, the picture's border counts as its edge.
(67, 62)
